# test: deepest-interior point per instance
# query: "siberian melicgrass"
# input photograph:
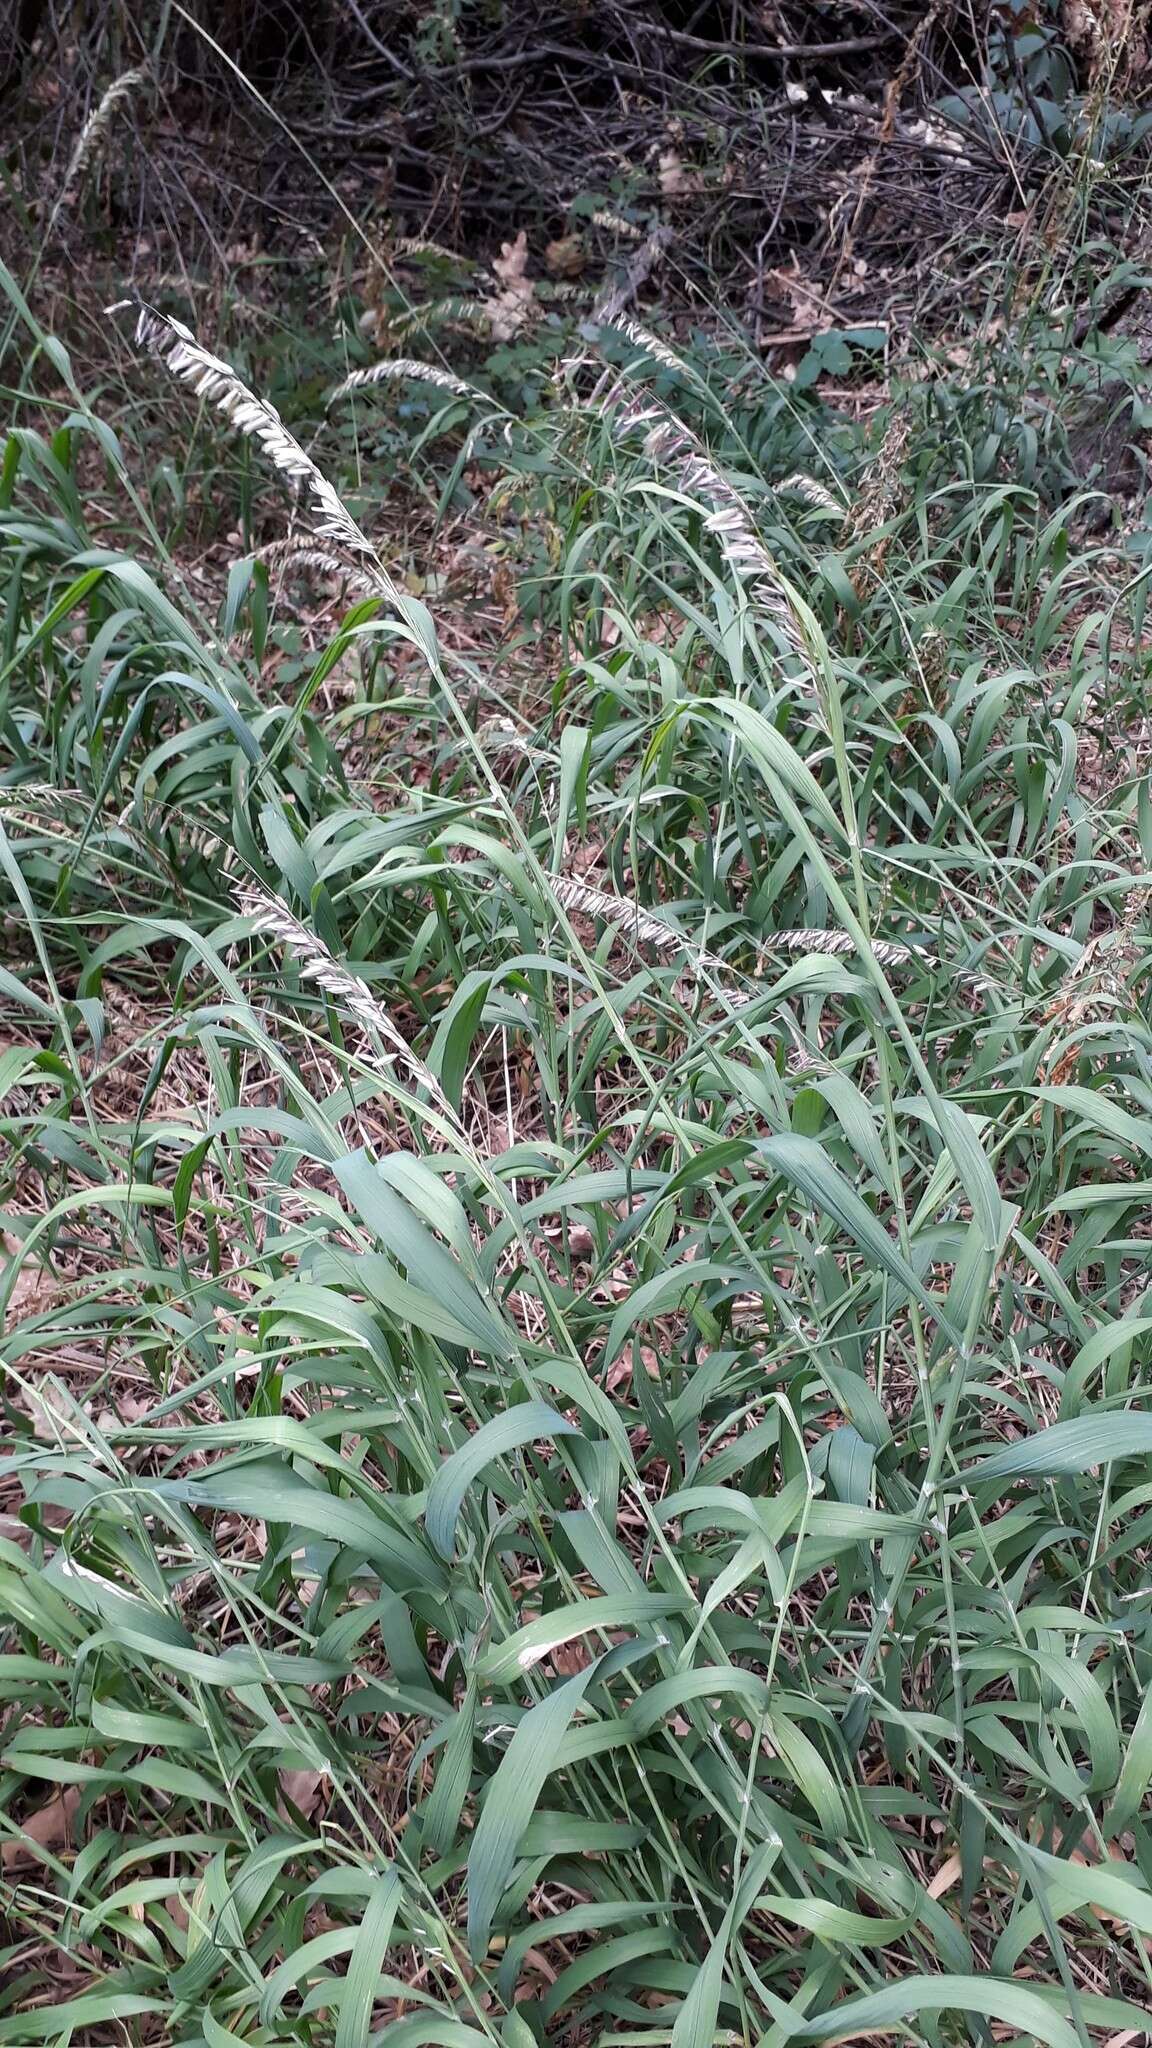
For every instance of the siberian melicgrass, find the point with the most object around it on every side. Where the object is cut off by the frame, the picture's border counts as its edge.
(647, 1540)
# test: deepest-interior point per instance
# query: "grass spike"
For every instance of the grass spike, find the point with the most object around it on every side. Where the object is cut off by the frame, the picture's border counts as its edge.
(285, 556)
(318, 964)
(220, 385)
(91, 137)
(392, 368)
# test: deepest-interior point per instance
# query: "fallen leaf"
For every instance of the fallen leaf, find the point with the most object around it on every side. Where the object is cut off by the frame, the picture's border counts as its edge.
(34, 1291)
(508, 310)
(676, 182)
(945, 1877)
(51, 1411)
(42, 1833)
(565, 258)
(303, 1789)
(512, 261)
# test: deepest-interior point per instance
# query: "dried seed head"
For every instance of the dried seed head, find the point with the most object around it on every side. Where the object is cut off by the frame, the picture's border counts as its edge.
(417, 245)
(615, 224)
(445, 313)
(728, 515)
(640, 926)
(645, 929)
(651, 344)
(884, 951)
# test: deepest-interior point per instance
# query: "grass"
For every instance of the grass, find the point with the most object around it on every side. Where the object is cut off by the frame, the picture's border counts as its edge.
(578, 1463)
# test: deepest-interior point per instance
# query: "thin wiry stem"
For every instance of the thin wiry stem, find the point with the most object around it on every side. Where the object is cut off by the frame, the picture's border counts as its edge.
(394, 367)
(96, 127)
(316, 963)
(216, 381)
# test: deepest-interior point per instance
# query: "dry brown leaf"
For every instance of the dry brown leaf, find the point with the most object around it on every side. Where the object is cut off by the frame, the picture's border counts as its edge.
(34, 1291)
(304, 1789)
(676, 181)
(508, 310)
(568, 1658)
(810, 311)
(512, 261)
(505, 593)
(945, 1878)
(42, 1833)
(51, 1411)
(566, 257)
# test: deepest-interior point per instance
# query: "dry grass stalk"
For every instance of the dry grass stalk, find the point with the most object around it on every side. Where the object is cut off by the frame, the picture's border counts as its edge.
(315, 963)
(1093, 990)
(217, 382)
(616, 292)
(43, 797)
(894, 93)
(96, 127)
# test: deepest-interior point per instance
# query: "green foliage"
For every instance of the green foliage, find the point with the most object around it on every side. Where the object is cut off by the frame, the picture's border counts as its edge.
(632, 1523)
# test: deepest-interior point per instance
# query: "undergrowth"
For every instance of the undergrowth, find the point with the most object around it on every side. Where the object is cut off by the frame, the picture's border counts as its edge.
(576, 1192)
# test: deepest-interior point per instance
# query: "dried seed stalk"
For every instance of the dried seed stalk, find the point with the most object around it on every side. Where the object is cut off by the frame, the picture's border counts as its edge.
(638, 925)
(813, 493)
(651, 344)
(615, 224)
(444, 312)
(884, 951)
(418, 245)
